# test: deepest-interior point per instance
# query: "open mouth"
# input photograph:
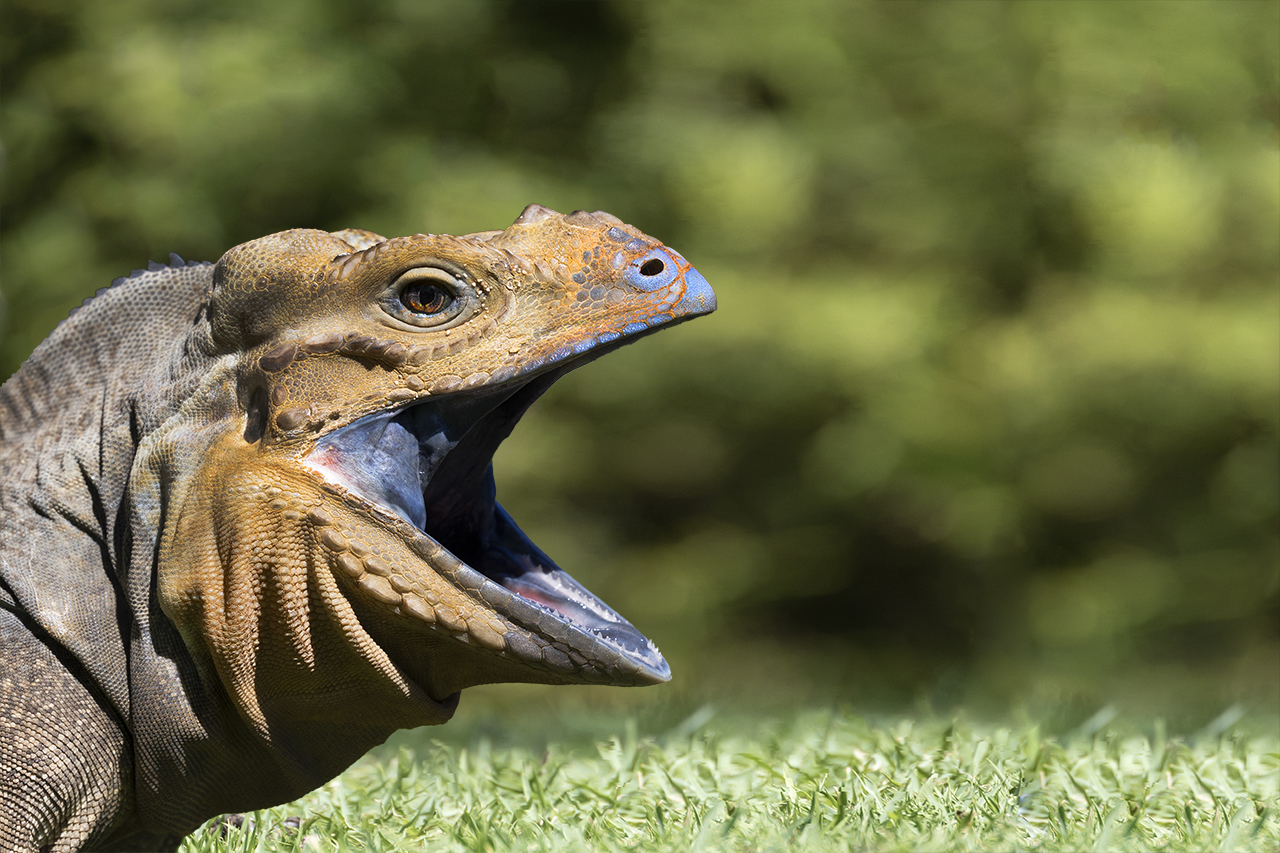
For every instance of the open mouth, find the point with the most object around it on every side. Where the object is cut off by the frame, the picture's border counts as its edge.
(430, 464)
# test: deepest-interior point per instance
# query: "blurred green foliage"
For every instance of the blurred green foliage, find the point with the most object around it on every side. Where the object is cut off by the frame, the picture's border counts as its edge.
(991, 404)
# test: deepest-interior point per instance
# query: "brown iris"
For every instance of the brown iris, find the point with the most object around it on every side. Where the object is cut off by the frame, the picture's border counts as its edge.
(424, 297)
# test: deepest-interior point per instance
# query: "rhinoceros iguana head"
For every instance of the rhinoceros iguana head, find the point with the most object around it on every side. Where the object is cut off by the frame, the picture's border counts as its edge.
(336, 547)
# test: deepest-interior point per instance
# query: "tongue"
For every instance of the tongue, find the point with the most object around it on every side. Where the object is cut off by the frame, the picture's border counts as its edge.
(377, 458)
(389, 458)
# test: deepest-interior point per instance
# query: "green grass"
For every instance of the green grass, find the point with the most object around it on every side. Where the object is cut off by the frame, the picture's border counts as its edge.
(821, 781)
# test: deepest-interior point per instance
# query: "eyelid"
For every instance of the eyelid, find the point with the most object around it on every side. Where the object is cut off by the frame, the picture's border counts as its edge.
(433, 274)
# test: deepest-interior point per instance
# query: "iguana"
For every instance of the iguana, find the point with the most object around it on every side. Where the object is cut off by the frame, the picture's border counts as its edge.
(249, 521)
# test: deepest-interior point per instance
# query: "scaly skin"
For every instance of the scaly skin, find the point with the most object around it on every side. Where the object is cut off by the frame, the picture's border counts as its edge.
(203, 606)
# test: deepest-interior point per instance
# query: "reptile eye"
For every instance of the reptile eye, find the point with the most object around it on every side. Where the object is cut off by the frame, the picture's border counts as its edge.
(423, 297)
(651, 267)
(429, 297)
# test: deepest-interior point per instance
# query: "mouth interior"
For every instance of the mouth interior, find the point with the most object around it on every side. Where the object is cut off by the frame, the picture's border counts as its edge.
(431, 464)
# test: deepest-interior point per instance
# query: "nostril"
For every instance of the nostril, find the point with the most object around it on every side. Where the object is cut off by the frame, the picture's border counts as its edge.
(654, 270)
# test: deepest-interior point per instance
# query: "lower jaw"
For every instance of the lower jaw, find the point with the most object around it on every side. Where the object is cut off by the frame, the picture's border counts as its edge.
(443, 665)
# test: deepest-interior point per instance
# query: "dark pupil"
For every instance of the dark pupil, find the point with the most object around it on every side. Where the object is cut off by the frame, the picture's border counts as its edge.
(425, 298)
(651, 267)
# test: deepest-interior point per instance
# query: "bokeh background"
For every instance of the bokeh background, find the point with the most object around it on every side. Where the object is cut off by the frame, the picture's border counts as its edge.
(988, 416)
